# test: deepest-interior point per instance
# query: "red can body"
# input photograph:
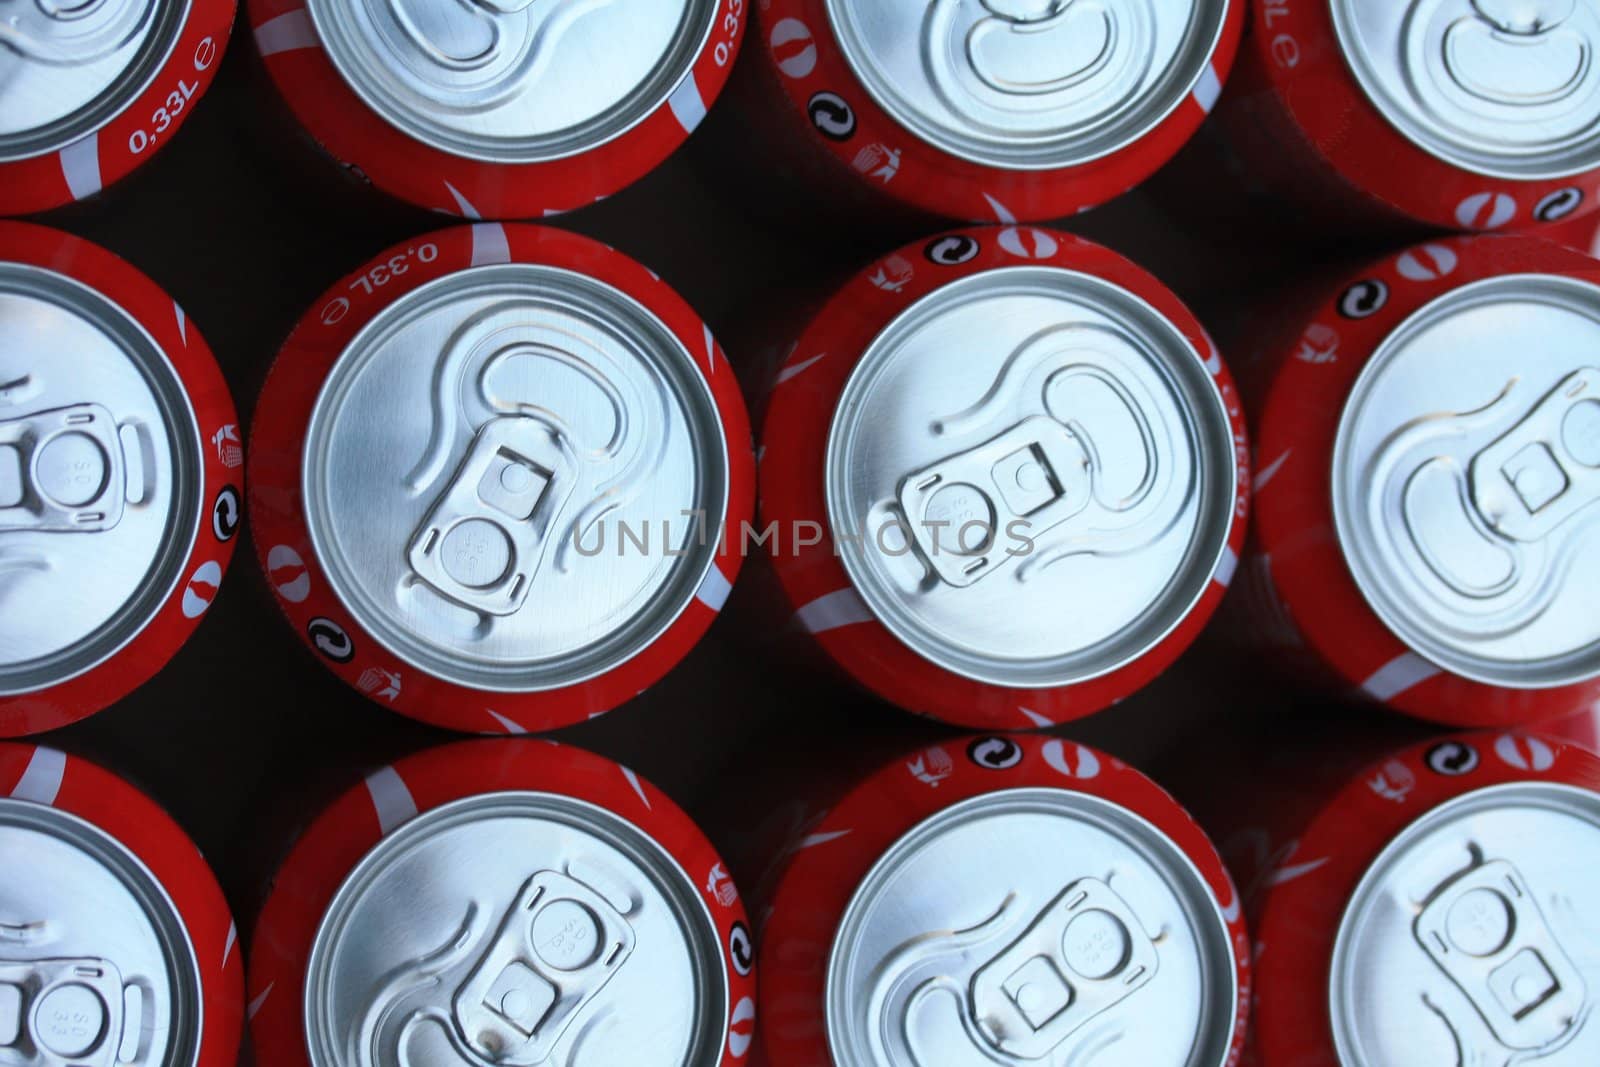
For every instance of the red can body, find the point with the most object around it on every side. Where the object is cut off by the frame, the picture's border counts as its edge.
(144, 122)
(805, 102)
(833, 849)
(1303, 841)
(1307, 130)
(361, 139)
(83, 791)
(280, 524)
(336, 842)
(1304, 594)
(218, 455)
(801, 410)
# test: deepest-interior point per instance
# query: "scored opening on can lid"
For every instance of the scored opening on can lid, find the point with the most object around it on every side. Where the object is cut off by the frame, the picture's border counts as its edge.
(100, 478)
(1471, 938)
(1029, 84)
(1030, 477)
(1032, 926)
(96, 966)
(1466, 481)
(516, 928)
(1505, 88)
(515, 477)
(513, 81)
(71, 68)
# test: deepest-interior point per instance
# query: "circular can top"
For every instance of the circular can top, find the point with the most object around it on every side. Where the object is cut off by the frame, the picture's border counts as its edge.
(71, 68)
(1029, 84)
(1466, 481)
(513, 81)
(96, 966)
(1019, 441)
(516, 928)
(100, 478)
(1504, 88)
(1032, 925)
(515, 477)
(1467, 939)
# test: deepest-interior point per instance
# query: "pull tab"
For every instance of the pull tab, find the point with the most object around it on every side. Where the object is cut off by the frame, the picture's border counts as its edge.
(69, 33)
(1485, 931)
(1085, 953)
(1524, 17)
(61, 471)
(558, 946)
(1546, 468)
(62, 1013)
(486, 535)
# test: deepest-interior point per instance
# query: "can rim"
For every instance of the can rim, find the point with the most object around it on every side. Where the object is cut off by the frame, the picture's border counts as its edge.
(1355, 544)
(180, 421)
(1197, 51)
(147, 65)
(701, 414)
(670, 73)
(1545, 793)
(186, 987)
(1363, 67)
(1216, 472)
(1198, 901)
(584, 816)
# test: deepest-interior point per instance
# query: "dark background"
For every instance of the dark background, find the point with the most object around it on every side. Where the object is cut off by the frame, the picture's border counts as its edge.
(244, 735)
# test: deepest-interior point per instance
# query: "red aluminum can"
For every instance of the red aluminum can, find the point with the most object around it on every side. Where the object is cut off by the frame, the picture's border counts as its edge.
(399, 931)
(999, 897)
(1425, 452)
(999, 111)
(495, 471)
(1464, 116)
(499, 110)
(1427, 910)
(119, 947)
(91, 93)
(120, 487)
(1582, 233)
(1003, 477)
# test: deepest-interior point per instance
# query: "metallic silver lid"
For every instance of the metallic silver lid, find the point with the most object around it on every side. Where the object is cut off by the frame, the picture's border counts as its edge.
(1466, 478)
(1030, 404)
(1508, 88)
(1472, 937)
(100, 478)
(96, 969)
(514, 477)
(1030, 84)
(516, 929)
(66, 69)
(1032, 926)
(513, 81)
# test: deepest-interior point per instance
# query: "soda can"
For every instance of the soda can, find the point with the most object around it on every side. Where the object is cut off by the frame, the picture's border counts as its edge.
(1427, 449)
(1434, 908)
(485, 109)
(504, 901)
(1581, 233)
(1454, 114)
(118, 947)
(92, 91)
(998, 899)
(120, 464)
(495, 470)
(1003, 477)
(1001, 110)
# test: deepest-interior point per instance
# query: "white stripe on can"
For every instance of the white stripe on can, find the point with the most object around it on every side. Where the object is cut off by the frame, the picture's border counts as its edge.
(844, 607)
(80, 165)
(287, 33)
(490, 244)
(1208, 90)
(1226, 566)
(688, 106)
(713, 592)
(391, 799)
(41, 780)
(1403, 672)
